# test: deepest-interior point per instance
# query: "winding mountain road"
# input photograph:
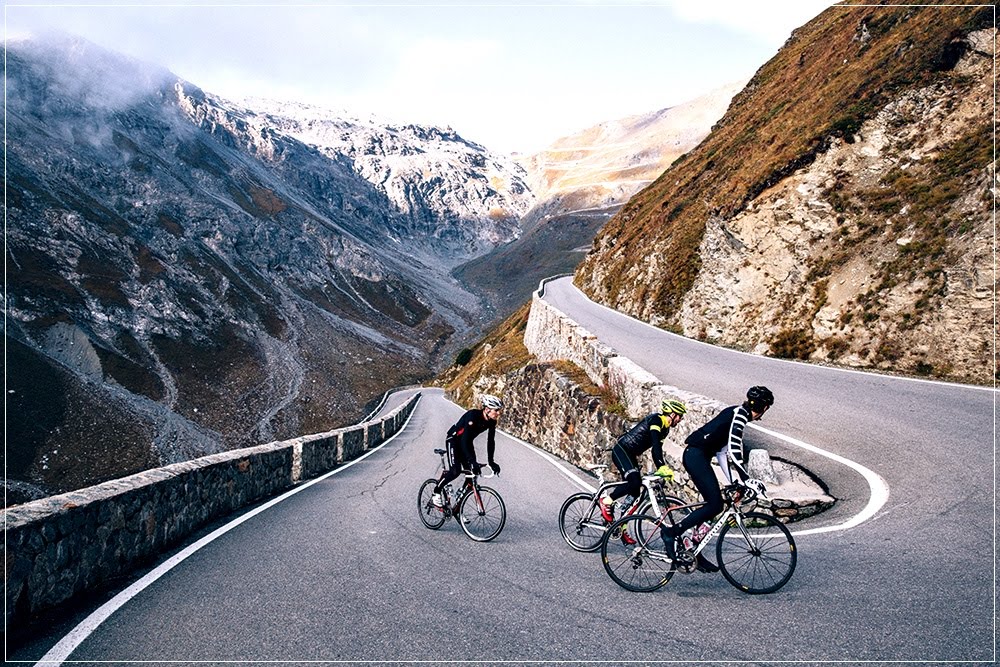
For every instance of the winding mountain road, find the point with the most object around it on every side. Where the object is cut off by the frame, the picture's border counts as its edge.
(342, 569)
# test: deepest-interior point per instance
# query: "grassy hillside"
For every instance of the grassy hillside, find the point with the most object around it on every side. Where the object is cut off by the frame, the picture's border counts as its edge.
(832, 74)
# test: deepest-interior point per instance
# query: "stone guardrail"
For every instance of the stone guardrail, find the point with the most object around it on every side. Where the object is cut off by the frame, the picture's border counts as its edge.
(551, 335)
(63, 546)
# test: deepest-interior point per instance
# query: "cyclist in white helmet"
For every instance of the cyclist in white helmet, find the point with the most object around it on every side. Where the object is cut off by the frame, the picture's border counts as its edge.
(459, 443)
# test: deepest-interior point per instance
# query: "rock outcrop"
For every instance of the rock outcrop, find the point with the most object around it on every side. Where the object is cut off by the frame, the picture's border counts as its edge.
(839, 211)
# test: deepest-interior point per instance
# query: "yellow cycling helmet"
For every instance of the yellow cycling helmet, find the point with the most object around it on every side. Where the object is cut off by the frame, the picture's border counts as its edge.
(669, 406)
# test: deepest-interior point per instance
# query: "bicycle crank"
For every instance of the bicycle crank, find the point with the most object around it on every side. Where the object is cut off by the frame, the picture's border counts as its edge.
(685, 561)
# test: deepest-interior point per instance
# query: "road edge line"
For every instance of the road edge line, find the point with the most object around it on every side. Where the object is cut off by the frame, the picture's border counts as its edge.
(878, 488)
(64, 647)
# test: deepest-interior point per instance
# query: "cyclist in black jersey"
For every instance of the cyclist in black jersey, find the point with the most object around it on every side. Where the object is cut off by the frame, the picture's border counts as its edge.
(459, 443)
(721, 437)
(647, 434)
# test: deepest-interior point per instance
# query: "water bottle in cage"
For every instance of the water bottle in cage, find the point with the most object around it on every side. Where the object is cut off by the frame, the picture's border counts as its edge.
(699, 532)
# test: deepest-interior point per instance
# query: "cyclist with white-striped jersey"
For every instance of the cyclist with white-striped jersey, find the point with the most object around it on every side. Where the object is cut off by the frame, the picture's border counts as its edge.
(721, 437)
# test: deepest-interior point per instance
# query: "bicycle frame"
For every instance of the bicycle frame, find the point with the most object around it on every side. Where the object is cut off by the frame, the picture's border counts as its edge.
(646, 490)
(731, 512)
(469, 485)
(756, 551)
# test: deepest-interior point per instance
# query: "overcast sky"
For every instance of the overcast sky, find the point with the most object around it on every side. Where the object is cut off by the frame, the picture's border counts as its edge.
(513, 76)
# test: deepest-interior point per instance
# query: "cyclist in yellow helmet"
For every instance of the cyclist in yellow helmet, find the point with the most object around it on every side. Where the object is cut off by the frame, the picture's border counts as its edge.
(647, 434)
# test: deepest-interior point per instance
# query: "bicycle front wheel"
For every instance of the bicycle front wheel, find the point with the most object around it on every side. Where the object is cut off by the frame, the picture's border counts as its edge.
(581, 523)
(760, 557)
(633, 554)
(432, 517)
(482, 514)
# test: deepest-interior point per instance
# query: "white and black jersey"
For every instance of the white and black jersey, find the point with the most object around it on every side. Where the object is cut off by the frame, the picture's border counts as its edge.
(723, 438)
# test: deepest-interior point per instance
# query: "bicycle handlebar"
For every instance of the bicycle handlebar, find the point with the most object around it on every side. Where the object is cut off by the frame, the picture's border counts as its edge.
(739, 492)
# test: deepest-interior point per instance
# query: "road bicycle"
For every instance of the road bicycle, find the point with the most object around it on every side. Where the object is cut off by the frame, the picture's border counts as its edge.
(479, 510)
(580, 520)
(755, 551)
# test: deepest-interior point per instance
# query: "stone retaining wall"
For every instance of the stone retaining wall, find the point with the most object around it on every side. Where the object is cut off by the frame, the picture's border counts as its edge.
(559, 416)
(63, 546)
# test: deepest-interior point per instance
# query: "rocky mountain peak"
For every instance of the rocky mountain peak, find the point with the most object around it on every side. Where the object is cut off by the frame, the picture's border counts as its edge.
(435, 179)
(187, 274)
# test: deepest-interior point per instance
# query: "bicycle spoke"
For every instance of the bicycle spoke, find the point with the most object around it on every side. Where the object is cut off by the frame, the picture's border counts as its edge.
(482, 514)
(581, 523)
(633, 556)
(431, 516)
(758, 557)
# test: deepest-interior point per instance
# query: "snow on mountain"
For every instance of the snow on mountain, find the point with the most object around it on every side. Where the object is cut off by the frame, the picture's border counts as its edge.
(187, 275)
(423, 170)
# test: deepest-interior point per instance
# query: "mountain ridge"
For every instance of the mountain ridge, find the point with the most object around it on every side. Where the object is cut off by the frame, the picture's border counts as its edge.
(900, 93)
(579, 182)
(186, 277)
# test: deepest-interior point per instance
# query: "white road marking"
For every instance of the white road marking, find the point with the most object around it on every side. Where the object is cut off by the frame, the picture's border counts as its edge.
(62, 650)
(552, 460)
(878, 489)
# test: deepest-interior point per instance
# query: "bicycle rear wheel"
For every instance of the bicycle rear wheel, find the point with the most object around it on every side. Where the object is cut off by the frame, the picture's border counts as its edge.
(763, 560)
(581, 523)
(633, 554)
(482, 514)
(432, 517)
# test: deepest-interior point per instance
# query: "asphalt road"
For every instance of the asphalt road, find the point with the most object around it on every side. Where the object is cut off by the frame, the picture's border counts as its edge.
(342, 569)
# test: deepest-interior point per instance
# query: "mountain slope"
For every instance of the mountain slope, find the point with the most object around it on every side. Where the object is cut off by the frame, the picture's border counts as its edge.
(838, 211)
(609, 162)
(436, 180)
(184, 276)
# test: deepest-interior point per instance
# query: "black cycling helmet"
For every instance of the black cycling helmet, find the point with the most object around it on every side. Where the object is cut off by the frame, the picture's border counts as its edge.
(759, 398)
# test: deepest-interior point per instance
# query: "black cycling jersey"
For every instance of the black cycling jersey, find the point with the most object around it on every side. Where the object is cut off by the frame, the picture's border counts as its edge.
(460, 444)
(465, 431)
(647, 434)
(726, 428)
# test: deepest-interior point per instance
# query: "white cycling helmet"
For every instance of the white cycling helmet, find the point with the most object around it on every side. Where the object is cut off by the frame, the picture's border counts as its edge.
(491, 402)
